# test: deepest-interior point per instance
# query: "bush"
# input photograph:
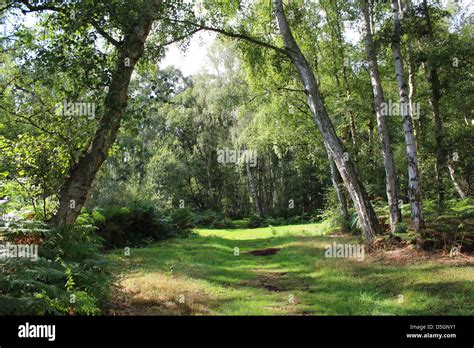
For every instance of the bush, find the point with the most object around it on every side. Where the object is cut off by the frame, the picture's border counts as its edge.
(69, 277)
(129, 226)
(139, 224)
(463, 209)
(291, 220)
(181, 220)
(270, 221)
(294, 220)
(222, 223)
(204, 219)
(449, 228)
(255, 221)
(333, 221)
(211, 219)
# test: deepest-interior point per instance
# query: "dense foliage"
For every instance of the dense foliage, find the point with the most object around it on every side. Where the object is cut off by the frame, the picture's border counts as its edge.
(97, 154)
(69, 277)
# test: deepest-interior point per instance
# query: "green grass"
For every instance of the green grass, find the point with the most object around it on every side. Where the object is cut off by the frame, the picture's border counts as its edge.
(204, 274)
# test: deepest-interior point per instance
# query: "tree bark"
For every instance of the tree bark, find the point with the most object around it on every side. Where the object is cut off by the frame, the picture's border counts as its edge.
(411, 71)
(370, 155)
(252, 190)
(365, 212)
(73, 194)
(460, 183)
(336, 33)
(440, 165)
(391, 184)
(435, 96)
(338, 187)
(414, 191)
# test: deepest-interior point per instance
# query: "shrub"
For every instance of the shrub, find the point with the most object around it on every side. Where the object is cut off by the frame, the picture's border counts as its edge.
(462, 208)
(255, 221)
(129, 226)
(275, 221)
(139, 224)
(449, 228)
(69, 277)
(204, 219)
(181, 221)
(333, 221)
(222, 223)
(211, 219)
(294, 220)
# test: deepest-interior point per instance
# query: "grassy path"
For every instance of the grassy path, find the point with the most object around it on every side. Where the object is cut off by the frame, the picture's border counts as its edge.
(213, 273)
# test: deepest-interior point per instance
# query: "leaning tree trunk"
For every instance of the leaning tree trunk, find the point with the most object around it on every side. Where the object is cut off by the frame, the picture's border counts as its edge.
(459, 181)
(338, 187)
(73, 194)
(336, 34)
(414, 191)
(365, 212)
(391, 184)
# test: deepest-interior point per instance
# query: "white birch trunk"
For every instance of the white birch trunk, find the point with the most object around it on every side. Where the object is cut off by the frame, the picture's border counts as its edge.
(414, 191)
(368, 219)
(384, 136)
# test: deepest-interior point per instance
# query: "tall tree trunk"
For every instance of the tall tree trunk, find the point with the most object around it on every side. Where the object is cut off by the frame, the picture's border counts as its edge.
(440, 165)
(252, 190)
(391, 184)
(263, 187)
(414, 191)
(212, 204)
(337, 35)
(412, 88)
(411, 71)
(365, 211)
(352, 123)
(274, 182)
(435, 96)
(370, 155)
(344, 93)
(338, 187)
(73, 194)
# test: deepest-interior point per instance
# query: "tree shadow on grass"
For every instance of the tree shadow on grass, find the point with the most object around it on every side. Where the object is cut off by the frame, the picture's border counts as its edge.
(322, 286)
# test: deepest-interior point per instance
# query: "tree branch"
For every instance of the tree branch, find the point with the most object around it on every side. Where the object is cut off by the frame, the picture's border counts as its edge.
(29, 121)
(6, 7)
(230, 34)
(62, 10)
(182, 37)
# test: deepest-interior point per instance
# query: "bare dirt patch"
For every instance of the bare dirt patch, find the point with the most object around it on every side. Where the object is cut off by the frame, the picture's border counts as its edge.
(271, 281)
(264, 252)
(275, 281)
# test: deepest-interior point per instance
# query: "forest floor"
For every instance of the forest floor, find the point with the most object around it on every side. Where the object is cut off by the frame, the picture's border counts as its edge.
(283, 271)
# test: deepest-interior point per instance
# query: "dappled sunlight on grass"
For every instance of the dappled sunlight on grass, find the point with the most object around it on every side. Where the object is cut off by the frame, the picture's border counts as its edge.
(263, 232)
(203, 274)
